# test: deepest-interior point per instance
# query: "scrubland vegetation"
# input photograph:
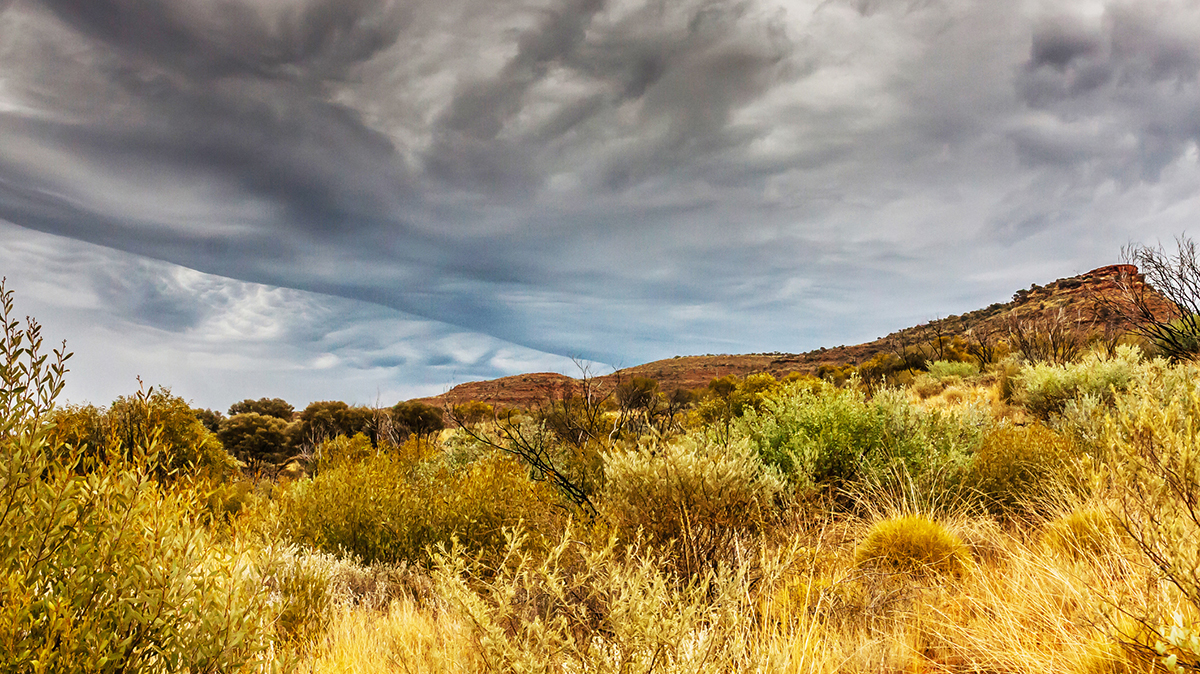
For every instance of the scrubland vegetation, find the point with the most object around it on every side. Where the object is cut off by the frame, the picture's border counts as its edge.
(910, 514)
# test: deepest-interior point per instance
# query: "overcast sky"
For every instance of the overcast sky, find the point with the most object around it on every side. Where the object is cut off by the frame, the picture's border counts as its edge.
(369, 200)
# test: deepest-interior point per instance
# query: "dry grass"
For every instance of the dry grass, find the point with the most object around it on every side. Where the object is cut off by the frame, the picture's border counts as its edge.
(802, 606)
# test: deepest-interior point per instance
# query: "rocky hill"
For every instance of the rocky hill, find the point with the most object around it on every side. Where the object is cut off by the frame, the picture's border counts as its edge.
(1071, 300)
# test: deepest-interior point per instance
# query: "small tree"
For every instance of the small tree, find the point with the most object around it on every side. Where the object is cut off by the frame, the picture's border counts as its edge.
(417, 418)
(1162, 303)
(268, 407)
(328, 419)
(254, 438)
(211, 419)
(560, 443)
(154, 413)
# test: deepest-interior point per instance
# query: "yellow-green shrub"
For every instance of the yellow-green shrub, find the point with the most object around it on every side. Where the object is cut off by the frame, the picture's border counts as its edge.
(690, 497)
(832, 438)
(914, 545)
(1154, 437)
(1015, 467)
(945, 369)
(386, 508)
(107, 570)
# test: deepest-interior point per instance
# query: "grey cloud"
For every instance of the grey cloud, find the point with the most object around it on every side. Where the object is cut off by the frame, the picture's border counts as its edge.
(149, 298)
(1057, 43)
(480, 110)
(318, 38)
(227, 91)
(688, 66)
(615, 180)
(1111, 73)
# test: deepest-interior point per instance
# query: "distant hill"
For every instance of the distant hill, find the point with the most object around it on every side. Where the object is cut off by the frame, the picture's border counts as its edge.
(1074, 297)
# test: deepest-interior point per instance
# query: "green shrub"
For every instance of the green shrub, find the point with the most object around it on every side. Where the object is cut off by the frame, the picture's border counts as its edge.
(913, 545)
(106, 569)
(690, 497)
(829, 438)
(1045, 389)
(942, 369)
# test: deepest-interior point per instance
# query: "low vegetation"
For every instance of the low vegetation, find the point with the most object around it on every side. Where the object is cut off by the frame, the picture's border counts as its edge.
(961, 506)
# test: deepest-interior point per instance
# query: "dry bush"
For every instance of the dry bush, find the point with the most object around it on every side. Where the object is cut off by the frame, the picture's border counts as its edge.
(1016, 468)
(692, 499)
(926, 386)
(604, 610)
(1084, 534)
(393, 507)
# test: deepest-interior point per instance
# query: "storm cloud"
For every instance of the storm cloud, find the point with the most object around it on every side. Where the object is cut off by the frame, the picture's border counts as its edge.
(612, 180)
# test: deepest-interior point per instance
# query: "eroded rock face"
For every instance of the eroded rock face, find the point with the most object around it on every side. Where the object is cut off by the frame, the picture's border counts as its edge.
(1075, 296)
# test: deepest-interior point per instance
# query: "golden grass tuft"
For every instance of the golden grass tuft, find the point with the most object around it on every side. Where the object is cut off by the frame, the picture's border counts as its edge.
(1083, 534)
(913, 545)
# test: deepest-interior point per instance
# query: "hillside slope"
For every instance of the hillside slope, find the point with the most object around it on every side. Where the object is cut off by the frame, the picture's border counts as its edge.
(1074, 297)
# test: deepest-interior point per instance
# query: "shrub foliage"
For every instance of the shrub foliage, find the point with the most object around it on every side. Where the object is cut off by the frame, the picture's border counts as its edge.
(103, 568)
